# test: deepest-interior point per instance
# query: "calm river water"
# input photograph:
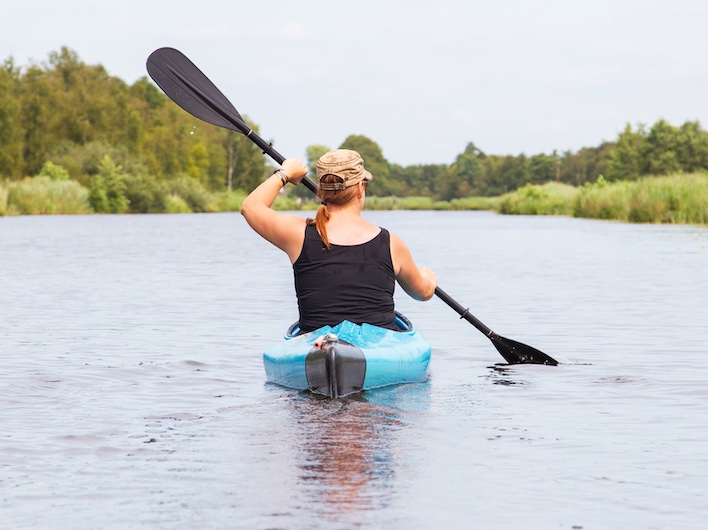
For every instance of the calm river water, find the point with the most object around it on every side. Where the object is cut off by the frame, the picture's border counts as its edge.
(132, 392)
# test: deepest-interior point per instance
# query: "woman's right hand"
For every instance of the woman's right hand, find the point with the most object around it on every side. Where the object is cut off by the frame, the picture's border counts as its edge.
(295, 169)
(429, 275)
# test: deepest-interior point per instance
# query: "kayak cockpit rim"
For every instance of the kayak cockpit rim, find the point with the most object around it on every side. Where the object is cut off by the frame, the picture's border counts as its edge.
(403, 325)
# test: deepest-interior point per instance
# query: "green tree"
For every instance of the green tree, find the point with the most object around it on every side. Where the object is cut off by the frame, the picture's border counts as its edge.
(91, 105)
(246, 163)
(198, 162)
(53, 171)
(417, 180)
(464, 175)
(11, 131)
(313, 153)
(628, 154)
(446, 184)
(82, 161)
(38, 100)
(662, 149)
(74, 114)
(544, 168)
(108, 190)
(468, 167)
(424, 184)
(374, 162)
(513, 173)
(586, 165)
(692, 147)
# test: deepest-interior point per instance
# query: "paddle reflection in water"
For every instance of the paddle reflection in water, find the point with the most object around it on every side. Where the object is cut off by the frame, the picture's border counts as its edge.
(348, 449)
(502, 374)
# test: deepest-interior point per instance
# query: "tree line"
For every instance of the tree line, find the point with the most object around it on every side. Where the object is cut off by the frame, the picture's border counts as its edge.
(129, 143)
(134, 149)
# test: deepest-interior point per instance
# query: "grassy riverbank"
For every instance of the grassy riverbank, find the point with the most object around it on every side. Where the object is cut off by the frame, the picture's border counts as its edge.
(42, 195)
(679, 199)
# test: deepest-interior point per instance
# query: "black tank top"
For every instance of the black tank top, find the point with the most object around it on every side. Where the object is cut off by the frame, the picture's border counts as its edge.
(347, 282)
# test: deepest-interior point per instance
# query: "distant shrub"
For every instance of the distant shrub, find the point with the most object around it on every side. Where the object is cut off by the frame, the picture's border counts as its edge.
(285, 203)
(176, 204)
(475, 203)
(108, 188)
(416, 203)
(382, 203)
(227, 201)
(191, 191)
(551, 198)
(54, 171)
(4, 195)
(42, 195)
(427, 203)
(442, 205)
(145, 194)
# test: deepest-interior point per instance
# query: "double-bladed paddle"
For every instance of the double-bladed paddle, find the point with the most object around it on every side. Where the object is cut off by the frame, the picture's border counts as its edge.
(187, 86)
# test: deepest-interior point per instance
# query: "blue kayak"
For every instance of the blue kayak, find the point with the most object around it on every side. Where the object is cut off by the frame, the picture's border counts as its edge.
(348, 358)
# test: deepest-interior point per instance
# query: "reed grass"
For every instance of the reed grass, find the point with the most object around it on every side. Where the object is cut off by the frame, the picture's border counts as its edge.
(677, 199)
(4, 196)
(680, 198)
(42, 195)
(552, 198)
(398, 203)
(227, 201)
(428, 203)
(176, 204)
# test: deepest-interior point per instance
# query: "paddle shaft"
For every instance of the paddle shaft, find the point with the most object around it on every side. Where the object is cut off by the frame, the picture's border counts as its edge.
(276, 156)
(252, 135)
(463, 312)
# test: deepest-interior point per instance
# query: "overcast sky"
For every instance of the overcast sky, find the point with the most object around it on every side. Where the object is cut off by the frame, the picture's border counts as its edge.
(421, 78)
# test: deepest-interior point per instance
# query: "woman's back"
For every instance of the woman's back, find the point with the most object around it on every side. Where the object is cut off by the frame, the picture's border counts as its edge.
(352, 282)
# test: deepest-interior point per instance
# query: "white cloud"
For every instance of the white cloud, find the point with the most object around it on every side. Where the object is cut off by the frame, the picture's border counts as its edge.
(594, 73)
(296, 32)
(201, 33)
(290, 32)
(279, 74)
(464, 115)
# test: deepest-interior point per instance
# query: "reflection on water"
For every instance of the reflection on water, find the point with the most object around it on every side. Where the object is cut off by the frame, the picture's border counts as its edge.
(502, 374)
(347, 447)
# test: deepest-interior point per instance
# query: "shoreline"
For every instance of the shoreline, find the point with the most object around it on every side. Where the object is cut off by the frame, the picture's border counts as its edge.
(673, 199)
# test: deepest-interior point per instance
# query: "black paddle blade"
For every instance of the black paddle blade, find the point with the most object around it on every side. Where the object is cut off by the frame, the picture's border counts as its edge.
(518, 353)
(187, 86)
(514, 352)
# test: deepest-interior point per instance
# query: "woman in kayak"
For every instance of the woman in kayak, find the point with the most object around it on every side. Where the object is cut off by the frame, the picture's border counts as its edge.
(345, 267)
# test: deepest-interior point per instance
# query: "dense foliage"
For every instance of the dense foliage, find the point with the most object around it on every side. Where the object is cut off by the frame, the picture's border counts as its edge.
(130, 149)
(130, 145)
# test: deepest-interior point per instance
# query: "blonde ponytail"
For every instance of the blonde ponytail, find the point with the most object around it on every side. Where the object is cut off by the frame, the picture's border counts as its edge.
(330, 197)
(320, 222)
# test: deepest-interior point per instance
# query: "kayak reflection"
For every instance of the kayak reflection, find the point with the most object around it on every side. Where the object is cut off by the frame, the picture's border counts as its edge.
(349, 451)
